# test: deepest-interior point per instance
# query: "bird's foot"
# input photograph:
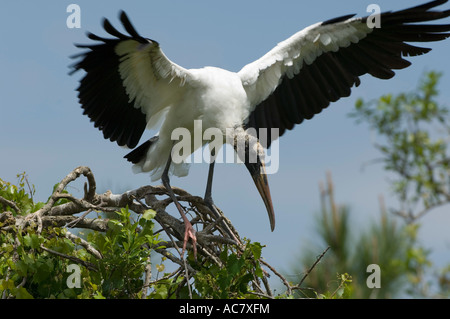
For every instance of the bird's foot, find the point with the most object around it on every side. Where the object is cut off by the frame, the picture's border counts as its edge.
(189, 232)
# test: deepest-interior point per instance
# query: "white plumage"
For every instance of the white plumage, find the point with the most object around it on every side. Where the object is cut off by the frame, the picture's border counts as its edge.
(131, 85)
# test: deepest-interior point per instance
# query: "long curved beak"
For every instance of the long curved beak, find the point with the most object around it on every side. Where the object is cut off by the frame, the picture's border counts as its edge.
(258, 172)
(262, 184)
(251, 152)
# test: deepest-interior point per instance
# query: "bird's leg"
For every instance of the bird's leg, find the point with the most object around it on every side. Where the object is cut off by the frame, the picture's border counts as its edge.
(208, 197)
(189, 231)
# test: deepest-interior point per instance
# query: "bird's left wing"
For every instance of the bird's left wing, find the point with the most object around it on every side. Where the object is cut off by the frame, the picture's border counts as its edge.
(129, 83)
(318, 65)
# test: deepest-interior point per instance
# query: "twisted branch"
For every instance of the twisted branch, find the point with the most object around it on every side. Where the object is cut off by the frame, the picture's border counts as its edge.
(210, 234)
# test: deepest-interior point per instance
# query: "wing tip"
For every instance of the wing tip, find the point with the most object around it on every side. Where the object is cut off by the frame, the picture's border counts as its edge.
(126, 22)
(338, 19)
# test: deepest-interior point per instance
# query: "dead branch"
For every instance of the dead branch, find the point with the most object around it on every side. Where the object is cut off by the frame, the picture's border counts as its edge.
(9, 203)
(72, 258)
(80, 241)
(211, 233)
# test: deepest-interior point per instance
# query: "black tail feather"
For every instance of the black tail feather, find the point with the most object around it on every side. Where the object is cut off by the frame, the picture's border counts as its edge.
(139, 153)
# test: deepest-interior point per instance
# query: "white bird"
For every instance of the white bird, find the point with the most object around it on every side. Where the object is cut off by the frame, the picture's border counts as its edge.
(131, 85)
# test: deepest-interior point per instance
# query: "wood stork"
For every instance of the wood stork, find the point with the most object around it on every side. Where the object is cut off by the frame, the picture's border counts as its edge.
(131, 85)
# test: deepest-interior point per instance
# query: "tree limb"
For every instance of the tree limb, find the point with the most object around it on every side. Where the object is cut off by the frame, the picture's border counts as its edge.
(211, 236)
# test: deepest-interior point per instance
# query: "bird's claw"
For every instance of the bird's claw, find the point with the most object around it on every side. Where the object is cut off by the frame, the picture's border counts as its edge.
(189, 232)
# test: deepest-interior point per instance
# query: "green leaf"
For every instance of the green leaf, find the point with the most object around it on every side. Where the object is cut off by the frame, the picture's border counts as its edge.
(7, 248)
(149, 214)
(233, 265)
(256, 250)
(31, 241)
(6, 284)
(98, 295)
(21, 268)
(258, 271)
(21, 293)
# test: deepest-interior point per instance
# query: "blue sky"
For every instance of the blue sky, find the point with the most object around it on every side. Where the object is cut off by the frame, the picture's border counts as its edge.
(45, 134)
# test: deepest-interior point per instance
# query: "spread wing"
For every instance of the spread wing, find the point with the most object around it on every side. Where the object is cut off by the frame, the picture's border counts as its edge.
(129, 83)
(320, 64)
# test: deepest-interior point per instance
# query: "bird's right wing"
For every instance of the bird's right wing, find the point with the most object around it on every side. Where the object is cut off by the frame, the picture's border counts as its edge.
(320, 64)
(261, 77)
(129, 83)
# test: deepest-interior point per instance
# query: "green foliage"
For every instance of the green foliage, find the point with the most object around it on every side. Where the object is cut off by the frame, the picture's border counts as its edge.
(35, 263)
(19, 195)
(234, 279)
(343, 289)
(414, 130)
(125, 255)
(351, 252)
(29, 267)
(394, 248)
(28, 272)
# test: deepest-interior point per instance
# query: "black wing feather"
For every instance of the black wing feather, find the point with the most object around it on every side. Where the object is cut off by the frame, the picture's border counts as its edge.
(101, 92)
(332, 75)
(128, 26)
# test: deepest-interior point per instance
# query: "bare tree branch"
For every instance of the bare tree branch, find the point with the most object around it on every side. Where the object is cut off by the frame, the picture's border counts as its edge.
(80, 241)
(211, 233)
(72, 258)
(9, 203)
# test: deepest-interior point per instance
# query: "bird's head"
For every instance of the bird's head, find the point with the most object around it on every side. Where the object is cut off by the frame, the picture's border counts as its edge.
(251, 152)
